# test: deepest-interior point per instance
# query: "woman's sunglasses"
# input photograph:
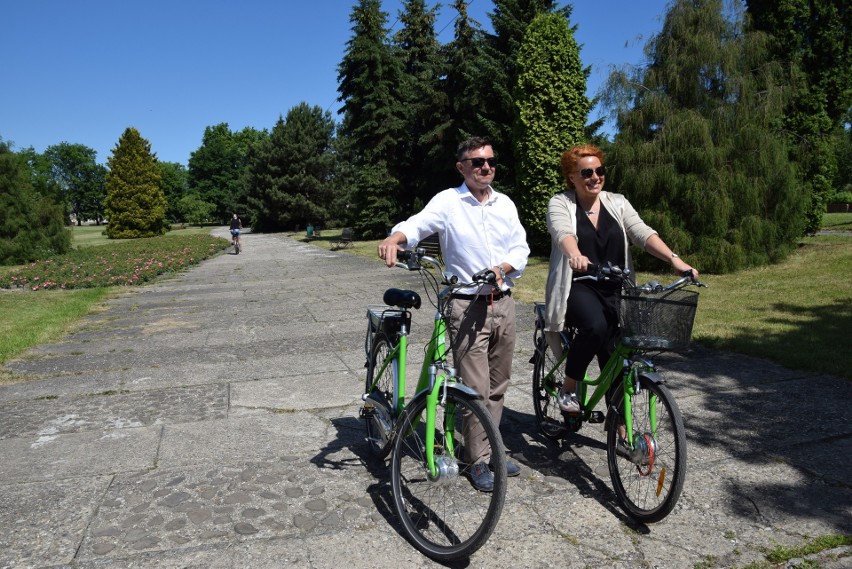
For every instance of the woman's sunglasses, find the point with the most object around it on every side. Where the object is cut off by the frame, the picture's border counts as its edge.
(587, 172)
(479, 162)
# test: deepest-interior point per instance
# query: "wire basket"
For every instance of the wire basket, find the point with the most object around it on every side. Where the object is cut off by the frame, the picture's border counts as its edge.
(657, 321)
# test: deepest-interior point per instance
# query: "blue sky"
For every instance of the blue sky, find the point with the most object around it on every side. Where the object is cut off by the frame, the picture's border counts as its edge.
(82, 71)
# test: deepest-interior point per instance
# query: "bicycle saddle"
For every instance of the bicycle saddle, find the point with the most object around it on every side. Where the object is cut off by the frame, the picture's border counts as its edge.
(401, 298)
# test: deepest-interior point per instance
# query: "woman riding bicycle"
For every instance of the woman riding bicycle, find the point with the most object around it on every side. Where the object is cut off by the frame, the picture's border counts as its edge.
(588, 225)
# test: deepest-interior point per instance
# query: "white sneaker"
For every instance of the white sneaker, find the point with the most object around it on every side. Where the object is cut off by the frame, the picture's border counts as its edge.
(568, 403)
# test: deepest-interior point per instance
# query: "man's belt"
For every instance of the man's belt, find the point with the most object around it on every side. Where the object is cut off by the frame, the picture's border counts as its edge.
(484, 297)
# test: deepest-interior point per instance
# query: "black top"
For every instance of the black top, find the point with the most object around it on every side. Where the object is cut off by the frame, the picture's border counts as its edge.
(602, 245)
(236, 223)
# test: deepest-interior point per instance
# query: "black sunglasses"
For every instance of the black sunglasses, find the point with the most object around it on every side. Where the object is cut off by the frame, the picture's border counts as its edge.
(480, 162)
(587, 172)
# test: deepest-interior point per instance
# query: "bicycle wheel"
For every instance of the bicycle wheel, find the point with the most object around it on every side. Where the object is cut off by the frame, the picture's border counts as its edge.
(381, 395)
(546, 406)
(445, 518)
(648, 479)
(237, 247)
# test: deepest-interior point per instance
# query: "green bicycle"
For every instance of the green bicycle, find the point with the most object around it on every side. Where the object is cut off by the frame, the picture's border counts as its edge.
(645, 442)
(441, 512)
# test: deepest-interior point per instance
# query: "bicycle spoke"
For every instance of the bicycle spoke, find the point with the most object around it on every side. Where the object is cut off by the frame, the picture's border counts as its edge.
(649, 477)
(545, 388)
(446, 518)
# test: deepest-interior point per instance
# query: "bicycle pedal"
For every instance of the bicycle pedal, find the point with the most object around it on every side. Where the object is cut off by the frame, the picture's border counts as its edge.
(597, 417)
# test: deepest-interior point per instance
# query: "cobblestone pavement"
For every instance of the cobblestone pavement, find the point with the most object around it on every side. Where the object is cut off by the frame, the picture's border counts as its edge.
(211, 420)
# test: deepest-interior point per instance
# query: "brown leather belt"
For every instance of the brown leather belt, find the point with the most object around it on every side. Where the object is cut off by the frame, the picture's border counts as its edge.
(484, 297)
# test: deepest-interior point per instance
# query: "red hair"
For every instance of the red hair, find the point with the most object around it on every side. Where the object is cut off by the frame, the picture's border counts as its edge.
(571, 157)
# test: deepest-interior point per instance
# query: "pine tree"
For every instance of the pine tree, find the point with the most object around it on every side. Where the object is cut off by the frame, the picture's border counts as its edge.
(552, 113)
(135, 205)
(374, 119)
(464, 56)
(288, 181)
(699, 151)
(422, 164)
(31, 225)
(813, 38)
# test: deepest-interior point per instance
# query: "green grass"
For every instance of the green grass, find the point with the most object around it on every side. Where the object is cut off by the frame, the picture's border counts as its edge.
(31, 318)
(92, 235)
(837, 222)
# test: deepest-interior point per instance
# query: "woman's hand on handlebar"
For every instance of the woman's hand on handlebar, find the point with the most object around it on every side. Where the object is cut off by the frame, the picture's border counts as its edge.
(580, 263)
(682, 268)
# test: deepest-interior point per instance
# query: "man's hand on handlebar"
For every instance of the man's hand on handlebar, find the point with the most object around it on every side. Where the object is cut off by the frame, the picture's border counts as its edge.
(389, 250)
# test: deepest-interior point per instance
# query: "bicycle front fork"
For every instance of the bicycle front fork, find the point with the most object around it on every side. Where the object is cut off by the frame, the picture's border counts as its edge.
(446, 466)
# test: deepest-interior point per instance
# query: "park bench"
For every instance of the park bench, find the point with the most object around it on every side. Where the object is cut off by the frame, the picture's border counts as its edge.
(344, 241)
(432, 246)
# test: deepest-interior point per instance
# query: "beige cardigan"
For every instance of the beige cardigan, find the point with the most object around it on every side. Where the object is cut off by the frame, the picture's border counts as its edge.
(561, 218)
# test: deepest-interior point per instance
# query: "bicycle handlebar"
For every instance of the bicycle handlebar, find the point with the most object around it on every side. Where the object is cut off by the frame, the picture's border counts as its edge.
(610, 272)
(412, 260)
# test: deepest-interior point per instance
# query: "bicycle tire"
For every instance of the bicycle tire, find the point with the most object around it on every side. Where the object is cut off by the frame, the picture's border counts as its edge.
(383, 390)
(547, 411)
(649, 484)
(446, 519)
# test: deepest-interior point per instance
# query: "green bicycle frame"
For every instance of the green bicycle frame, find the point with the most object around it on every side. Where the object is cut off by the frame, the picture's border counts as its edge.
(610, 372)
(436, 351)
(430, 379)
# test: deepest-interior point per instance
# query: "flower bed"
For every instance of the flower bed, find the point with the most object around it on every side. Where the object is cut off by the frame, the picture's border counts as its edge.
(126, 263)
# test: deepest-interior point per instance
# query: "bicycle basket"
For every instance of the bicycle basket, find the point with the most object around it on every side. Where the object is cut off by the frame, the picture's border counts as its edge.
(657, 321)
(381, 318)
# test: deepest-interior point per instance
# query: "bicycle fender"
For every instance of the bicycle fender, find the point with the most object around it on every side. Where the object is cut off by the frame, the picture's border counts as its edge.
(459, 388)
(653, 376)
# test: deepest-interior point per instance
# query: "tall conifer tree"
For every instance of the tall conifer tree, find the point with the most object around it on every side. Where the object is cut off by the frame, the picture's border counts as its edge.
(813, 38)
(699, 151)
(135, 204)
(289, 177)
(422, 163)
(498, 75)
(552, 113)
(374, 119)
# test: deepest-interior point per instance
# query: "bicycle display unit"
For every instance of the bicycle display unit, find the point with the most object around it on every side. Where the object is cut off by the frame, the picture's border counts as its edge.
(441, 512)
(645, 439)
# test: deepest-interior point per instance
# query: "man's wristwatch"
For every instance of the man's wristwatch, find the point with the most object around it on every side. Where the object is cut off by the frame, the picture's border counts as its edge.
(675, 256)
(502, 272)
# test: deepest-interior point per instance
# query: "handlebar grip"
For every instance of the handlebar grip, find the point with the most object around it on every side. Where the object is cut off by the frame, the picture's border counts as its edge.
(405, 255)
(485, 276)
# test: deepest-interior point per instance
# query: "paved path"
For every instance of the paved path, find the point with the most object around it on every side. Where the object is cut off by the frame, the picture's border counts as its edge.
(211, 420)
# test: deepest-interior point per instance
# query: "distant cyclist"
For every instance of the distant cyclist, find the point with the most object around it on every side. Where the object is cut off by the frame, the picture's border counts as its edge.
(236, 226)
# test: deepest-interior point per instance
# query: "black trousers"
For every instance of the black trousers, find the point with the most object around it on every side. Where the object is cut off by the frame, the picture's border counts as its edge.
(593, 312)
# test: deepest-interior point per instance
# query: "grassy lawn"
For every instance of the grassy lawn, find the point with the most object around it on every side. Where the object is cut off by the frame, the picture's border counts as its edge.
(92, 235)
